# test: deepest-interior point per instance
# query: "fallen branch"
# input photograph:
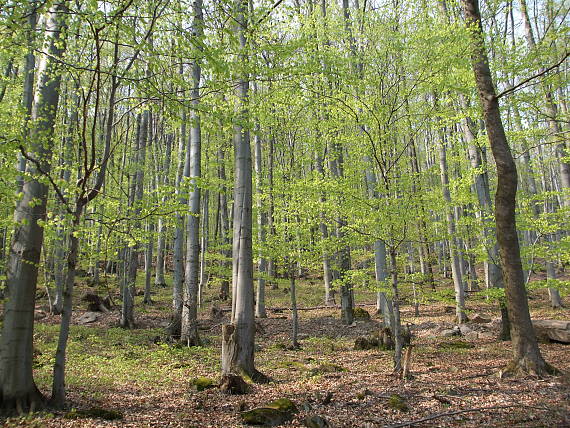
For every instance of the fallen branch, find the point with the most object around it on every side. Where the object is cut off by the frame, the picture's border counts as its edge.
(458, 412)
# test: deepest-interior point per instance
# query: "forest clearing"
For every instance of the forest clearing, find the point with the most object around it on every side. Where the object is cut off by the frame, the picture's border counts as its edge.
(284, 212)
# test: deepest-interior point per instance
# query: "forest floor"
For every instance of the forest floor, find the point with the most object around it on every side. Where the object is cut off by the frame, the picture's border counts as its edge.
(453, 382)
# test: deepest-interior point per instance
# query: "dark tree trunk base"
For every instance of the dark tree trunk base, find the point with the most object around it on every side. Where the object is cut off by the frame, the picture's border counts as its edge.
(527, 367)
(128, 324)
(25, 403)
(191, 341)
(233, 384)
(231, 365)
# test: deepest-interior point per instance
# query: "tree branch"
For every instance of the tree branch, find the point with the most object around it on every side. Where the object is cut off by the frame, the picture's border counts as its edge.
(539, 74)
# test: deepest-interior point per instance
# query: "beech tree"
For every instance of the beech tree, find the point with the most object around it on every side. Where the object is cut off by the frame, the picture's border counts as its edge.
(19, 391)
(526, 353)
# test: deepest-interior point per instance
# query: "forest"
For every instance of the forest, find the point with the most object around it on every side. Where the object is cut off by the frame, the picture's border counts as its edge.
(222, 213)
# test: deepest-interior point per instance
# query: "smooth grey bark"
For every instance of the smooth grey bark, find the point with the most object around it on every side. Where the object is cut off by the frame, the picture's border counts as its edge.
(342, 262)
(189, 328)
(294, 312)
(28, 92)
(18, 389)
(161, 228)
(136, 194)
(224, 225)
(526, 353)
(58, 384)
(147, 299)
(178, 244)
(323, 228)
(204, 245)
(452, 243)
(239, 336)
(271, 209)
(383, 302)
(260, 311)
(397, 325)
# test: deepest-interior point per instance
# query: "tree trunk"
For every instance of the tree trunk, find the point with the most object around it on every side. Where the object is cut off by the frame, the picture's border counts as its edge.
(224, 226)
(294, 312)
(161, 229)
(18, 389)
(189, 330)
(58, 385)
(261, 225)
(238, 337)
(28, 92)
(454, 258)
(204, 246)
(147, 299)
(127, 312)
(526, 353)
(397, 326)
(178, 277)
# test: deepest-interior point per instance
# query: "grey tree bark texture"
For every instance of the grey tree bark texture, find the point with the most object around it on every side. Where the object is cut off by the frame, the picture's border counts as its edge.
(189, 329)
(28, 93)
(526, 353)
(238, 336)
(18, 389)
(260, 311)
(161, 228)
(455, 269)
(127, 309)
(178, 276)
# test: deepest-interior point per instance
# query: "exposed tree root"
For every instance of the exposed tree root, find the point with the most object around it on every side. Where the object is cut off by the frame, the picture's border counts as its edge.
(23, 404)
(527, 367)
(259, 377)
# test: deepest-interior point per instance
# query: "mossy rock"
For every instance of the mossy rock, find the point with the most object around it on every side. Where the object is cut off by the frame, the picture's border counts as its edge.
(201, 383)
(94, 413)
(397, 402)
(283, 404)
(361, 314)
(275, 413)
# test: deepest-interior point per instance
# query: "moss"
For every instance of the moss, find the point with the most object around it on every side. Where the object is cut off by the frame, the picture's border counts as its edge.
(94, 413)
(290, 365)
(275, 413)
(361, 314)
(326, 368)
(201, 383)
(283, 404)
(397, 402)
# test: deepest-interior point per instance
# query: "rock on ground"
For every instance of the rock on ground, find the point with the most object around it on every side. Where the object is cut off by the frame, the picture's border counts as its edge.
(552, 330)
